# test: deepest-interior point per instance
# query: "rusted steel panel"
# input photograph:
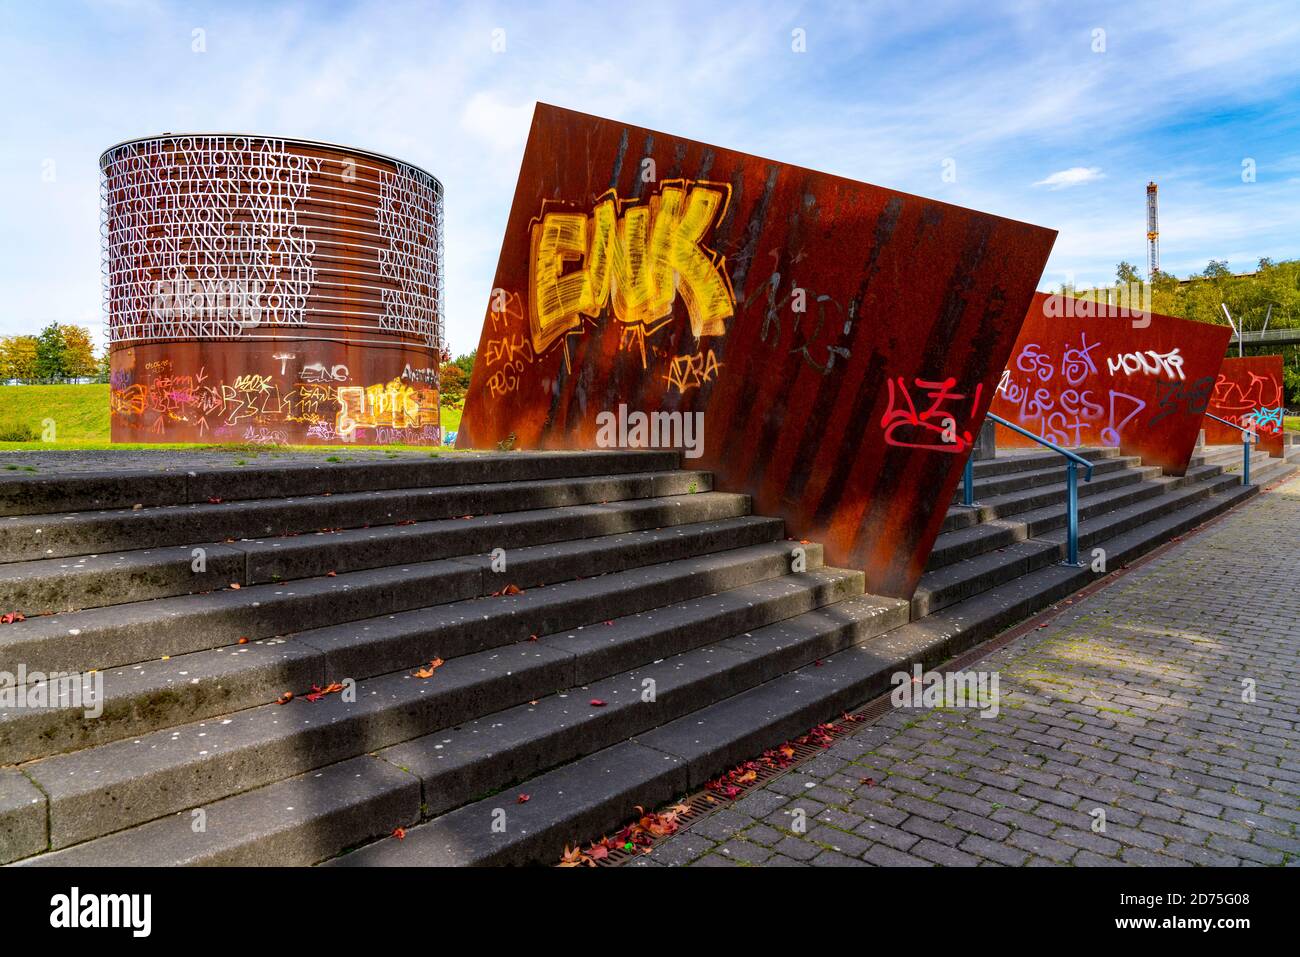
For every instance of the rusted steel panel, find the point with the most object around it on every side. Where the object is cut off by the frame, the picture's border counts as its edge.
(1249, 386)
(270, 290)
(838, 342)
(1084, 373)
(297, 393)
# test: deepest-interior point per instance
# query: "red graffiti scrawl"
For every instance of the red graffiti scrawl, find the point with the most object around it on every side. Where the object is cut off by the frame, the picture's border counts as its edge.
(936, 426)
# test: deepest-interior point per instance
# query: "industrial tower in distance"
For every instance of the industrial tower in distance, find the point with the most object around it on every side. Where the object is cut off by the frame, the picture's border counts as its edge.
(1153, 234)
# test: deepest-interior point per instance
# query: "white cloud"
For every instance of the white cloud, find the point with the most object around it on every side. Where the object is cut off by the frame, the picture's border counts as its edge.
(1074, 176)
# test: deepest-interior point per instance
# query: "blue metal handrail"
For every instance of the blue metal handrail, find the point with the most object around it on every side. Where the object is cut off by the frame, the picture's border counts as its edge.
(1247, 436)
(1072, 461)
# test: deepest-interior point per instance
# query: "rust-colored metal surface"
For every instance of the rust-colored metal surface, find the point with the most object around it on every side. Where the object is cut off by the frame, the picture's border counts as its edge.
(828, 346)
(1249, 386)
(1084, 373)
(297, 393)
(270, 290)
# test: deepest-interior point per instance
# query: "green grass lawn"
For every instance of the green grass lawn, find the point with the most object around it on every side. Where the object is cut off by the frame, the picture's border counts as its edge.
(1291, 423)
(79, 417)
(79, 413)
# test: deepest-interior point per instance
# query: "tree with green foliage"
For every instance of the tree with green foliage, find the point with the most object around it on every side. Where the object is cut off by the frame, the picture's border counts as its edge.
(466, 363)
(1126, 273)
(51, 354)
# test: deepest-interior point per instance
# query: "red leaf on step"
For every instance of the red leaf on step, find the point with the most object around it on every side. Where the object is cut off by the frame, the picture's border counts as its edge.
(243, 641)
(523, 799)
(399, 833)
(284, 698)
(10, 617)
(434, 665)
(597, 703)
(331, 574)
(512, 590)
(317, 692)
(214, 501)
(532, 637)
(235, 585)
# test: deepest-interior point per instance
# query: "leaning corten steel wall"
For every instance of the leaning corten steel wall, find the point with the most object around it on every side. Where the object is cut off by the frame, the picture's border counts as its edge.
(271, 291)
(1085, 373)
(838, 342)
(1249, 389)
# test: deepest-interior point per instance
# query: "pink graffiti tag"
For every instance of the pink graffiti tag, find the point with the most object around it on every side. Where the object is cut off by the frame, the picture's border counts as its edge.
(936, 421)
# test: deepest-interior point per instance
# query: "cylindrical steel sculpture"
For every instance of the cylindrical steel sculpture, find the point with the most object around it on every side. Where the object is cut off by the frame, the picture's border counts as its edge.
(270, 291)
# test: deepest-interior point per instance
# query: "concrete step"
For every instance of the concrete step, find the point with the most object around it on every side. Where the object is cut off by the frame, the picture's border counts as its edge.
(595, 794)
(967, 543)
(1012, 503)
(1016, 547)
(30, 537)
(60, 585)
(1228, 457)
(708, 595)
(1274, 471)
(989, 611)
(101, 638)
(1094, 532)
(1048, 474)
(1024, 460)
(725, 688)
(94, 792)
(35, 494)
(482, 756)
(1040, 536)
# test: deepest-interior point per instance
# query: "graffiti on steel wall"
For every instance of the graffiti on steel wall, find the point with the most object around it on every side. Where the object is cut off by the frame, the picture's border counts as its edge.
(292, 401)
(829, 346)
(636, 259)
(1249, 390)
(1085, 377)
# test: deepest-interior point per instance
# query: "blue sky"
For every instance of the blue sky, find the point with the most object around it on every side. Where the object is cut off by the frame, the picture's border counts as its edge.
(1038, 124)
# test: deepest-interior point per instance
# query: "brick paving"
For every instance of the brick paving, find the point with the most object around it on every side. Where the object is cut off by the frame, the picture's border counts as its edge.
(1129, 704)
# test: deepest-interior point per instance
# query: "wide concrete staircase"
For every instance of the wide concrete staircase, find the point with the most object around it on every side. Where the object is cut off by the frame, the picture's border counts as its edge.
(611, 632)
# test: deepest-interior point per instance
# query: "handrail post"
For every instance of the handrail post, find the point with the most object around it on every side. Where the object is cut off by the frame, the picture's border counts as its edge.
(968, 482)
(1245, 458)
(1072, 504)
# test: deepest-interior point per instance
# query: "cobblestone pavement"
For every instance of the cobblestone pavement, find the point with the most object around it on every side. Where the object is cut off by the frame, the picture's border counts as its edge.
(1130, 703)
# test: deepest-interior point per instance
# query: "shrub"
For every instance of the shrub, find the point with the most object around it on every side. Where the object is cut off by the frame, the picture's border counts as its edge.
(13, 430)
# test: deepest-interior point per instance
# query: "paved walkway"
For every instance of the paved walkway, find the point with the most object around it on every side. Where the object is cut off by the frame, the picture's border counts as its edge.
(1129, 704)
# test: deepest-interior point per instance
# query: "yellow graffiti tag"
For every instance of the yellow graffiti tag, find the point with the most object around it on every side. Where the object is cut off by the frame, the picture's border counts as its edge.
(393, 404)
(691, 372)
(637, 259)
